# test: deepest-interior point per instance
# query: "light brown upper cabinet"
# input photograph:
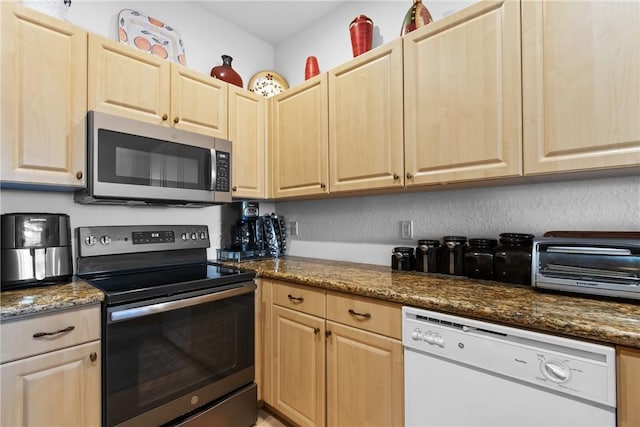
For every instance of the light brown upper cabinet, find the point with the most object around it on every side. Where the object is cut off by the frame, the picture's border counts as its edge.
(463, 102)
(135, 84)
(299, 142)
(365, 121)
(247, 131)
(581, 85)
(44, 98)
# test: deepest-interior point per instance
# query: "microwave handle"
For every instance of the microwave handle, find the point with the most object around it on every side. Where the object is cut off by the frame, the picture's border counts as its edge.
(213, 170)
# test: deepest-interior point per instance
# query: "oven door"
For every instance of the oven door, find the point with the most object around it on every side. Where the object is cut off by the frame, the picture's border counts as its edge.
(169, 357)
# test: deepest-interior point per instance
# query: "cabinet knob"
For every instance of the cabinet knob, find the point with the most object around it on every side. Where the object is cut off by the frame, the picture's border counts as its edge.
(396, 177)
(93, 356)
(323, 186)
(234, 188)
(316, 330)
(79, 175)
(176, 119)
(327, 334)
(409, 175)
(164, 117)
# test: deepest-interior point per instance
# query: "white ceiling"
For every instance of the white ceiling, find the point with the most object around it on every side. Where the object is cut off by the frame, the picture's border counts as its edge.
(271, 21)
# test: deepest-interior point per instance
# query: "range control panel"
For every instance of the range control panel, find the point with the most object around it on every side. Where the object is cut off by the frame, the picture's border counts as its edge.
(113, 240)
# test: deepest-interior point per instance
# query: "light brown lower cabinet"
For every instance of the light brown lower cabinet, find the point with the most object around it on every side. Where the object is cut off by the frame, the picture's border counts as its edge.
(51, 380)
(330, 358)
(628, 384)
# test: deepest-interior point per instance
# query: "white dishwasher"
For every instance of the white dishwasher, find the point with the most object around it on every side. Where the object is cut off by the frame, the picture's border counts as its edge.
(462, 372)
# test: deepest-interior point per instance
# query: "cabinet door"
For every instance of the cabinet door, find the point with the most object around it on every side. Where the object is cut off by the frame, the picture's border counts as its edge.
(581, 85)
(198, 102)
(628, 383)
(61, 388)
(128, 82)
(299, 366)
(300, 140)
(463, 99)
(247, 131)
(365, 121)
(44, 98)
(364, 378)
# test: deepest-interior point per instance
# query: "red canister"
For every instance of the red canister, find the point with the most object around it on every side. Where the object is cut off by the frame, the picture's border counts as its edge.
(361, 31)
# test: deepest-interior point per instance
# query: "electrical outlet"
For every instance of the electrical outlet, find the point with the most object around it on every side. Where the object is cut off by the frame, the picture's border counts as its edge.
(406, 230)
(293, 228)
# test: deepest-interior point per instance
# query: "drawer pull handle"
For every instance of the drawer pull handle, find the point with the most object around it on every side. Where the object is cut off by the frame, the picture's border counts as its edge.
(355, 313)
(296, 300)
(61, 331)
(93, 356)
(316, 330)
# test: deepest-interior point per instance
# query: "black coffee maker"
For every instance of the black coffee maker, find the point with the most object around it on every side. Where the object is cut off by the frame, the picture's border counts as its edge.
(249, 229)
(248, 235)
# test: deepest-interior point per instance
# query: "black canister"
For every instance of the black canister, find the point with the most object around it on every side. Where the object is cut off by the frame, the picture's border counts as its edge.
(427, 254)
(402, 258)
(478, 258)
(512, 261)
(452, 255)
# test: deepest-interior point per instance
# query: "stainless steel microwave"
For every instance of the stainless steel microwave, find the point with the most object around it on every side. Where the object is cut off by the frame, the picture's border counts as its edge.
(136, 163)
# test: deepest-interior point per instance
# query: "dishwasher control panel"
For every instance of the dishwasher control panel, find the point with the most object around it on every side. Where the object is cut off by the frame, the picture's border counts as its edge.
(568, 366)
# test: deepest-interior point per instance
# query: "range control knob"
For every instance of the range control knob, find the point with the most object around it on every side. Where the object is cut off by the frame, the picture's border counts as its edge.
(90, 240)
(203, 235)
(105, 240)
(184, 236)
(194, 236)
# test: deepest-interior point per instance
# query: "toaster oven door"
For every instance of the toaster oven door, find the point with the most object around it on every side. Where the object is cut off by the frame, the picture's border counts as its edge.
(610, 267)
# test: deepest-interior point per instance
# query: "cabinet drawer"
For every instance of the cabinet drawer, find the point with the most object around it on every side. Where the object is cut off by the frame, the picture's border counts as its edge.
(301, 298)
(17, 336)
(365, 313)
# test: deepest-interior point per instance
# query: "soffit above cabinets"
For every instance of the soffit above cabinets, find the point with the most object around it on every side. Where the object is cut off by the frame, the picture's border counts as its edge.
(271, 21)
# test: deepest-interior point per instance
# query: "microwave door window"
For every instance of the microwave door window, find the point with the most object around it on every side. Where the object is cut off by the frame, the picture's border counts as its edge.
(130, 159)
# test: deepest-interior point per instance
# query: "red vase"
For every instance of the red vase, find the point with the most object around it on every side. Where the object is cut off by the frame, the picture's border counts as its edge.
(226, 73)
(417, 16)
(361, 31)
(311, 68)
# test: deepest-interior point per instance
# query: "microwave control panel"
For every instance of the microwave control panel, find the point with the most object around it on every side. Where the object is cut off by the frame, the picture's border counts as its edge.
(223, 171)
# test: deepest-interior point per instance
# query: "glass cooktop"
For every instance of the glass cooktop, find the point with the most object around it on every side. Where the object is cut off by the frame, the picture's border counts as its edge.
(138, 285)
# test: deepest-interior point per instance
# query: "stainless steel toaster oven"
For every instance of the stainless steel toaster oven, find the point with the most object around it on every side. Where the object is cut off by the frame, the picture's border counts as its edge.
(595, 266)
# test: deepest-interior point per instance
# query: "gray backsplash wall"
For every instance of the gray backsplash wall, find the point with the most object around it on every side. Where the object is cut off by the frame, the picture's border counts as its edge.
(365, 228)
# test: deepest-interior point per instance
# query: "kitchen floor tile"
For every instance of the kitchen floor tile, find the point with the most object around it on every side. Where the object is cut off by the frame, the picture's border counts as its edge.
(267, 420)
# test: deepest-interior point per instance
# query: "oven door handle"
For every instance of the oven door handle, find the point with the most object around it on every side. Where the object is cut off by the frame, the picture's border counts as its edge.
(132, 313)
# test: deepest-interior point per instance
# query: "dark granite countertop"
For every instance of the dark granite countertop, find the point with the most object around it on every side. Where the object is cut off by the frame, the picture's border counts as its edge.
(41, 299)
(601, 320)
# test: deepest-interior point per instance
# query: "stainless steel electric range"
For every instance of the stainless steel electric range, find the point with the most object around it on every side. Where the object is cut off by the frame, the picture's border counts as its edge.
(177, 331)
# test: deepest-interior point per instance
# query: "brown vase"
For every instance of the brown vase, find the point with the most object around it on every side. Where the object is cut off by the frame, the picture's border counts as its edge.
(226, 73)
(361, 32)
(417, 16)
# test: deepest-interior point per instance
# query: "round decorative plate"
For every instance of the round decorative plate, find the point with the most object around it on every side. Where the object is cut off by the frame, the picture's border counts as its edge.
(267, 83)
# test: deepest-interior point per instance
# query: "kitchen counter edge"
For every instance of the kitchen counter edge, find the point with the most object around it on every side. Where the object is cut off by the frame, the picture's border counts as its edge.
(19, 303)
